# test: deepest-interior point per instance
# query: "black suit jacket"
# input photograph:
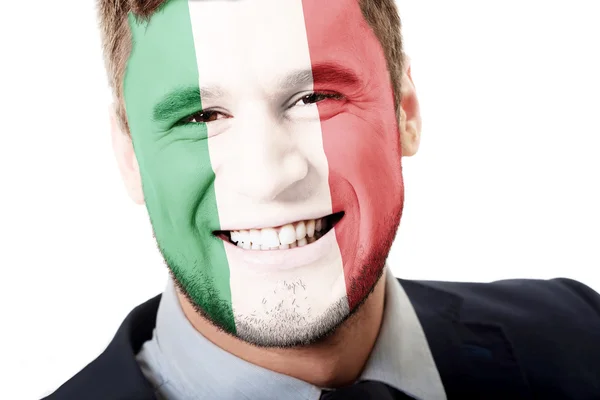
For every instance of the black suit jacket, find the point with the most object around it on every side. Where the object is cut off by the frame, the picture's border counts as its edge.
(510, 340)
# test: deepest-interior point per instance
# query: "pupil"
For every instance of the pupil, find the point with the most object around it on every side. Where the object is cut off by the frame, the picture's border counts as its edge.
(205, 116)
(312, 98)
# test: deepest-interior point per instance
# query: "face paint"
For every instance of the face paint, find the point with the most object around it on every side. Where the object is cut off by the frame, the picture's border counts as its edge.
(258, 114)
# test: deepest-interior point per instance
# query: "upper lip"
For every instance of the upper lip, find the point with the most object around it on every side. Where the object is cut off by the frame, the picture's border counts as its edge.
(274, 223)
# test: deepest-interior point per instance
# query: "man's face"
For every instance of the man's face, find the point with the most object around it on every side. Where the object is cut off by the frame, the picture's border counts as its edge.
(269, 155)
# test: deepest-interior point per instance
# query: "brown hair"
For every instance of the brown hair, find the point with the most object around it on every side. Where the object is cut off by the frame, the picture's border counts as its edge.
(381, 15)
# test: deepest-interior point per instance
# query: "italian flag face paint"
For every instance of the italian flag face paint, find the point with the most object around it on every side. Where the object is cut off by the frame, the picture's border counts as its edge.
(256, 114)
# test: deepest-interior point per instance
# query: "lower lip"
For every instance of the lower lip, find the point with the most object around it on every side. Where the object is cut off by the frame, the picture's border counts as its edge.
(285, 259)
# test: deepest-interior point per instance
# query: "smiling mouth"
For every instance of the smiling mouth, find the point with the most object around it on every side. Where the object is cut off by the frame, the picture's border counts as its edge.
(289, 236)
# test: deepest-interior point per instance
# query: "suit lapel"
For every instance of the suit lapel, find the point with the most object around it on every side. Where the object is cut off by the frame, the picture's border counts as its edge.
(475, 359)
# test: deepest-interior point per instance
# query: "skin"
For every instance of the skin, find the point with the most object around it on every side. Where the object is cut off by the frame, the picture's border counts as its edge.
(330, 362)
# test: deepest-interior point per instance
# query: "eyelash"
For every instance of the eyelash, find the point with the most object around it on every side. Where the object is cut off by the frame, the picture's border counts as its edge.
(321, 95)
(186, 120)
(324, 95)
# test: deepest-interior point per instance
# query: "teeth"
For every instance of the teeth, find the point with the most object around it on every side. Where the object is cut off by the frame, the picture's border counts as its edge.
(244, 236)
(300, 230)
(286, 237)
(269, 237)
(310, 228)
(255, 236)
(287, 234)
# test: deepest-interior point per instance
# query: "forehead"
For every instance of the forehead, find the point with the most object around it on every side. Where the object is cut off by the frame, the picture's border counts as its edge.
(249, 39)
(267, 36)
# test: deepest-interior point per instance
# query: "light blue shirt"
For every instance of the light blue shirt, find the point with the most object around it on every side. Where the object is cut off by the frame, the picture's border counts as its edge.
(182, 364)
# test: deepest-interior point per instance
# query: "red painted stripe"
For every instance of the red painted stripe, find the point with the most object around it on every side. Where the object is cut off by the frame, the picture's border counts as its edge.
(360, 137)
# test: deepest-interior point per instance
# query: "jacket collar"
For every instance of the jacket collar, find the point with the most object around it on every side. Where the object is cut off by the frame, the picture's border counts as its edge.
(473, 353)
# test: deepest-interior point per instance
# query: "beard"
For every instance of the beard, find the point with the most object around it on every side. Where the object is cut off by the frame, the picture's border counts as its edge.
(285, 327)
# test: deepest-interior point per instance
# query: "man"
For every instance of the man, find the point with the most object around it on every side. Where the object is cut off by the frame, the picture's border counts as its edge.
(265, 138)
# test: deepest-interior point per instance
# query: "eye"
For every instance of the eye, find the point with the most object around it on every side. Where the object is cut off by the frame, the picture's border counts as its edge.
(204, 116)
(316, 97)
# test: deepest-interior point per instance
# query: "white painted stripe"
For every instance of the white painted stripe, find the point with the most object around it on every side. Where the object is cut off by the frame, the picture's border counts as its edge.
(268, 167)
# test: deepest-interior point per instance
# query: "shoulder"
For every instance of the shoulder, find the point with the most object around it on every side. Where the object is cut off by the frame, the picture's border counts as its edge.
(524, 301)
(551, 328)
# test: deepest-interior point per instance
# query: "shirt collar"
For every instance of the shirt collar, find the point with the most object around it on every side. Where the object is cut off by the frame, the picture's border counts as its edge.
(196, 367)
(401, 356)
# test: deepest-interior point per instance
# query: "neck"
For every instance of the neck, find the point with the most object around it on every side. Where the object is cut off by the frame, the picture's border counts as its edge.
(336, 361)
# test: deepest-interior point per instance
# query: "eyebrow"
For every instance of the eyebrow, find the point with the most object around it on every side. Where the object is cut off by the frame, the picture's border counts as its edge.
(182, 99)
(321, 74)
(192, 97)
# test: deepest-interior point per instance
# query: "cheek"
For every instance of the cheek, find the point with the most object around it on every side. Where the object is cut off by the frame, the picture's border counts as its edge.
(363, 150)
(176, 178)
(365, 179)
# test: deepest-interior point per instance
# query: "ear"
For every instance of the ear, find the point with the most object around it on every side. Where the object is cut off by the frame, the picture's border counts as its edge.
(410, 114)
(126, 159)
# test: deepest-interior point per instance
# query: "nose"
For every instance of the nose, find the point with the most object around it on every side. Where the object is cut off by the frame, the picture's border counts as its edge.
(270, 165)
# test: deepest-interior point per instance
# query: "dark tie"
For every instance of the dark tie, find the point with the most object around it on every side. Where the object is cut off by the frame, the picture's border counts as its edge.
(366, 390)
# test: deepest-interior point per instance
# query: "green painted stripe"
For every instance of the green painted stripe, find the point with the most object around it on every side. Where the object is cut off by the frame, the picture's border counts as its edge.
(160, 88)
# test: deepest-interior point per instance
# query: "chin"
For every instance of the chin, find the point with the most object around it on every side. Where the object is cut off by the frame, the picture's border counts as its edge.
(286, 328)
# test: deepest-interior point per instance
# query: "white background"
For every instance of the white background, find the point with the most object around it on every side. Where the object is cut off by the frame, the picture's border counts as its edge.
(506, 183)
